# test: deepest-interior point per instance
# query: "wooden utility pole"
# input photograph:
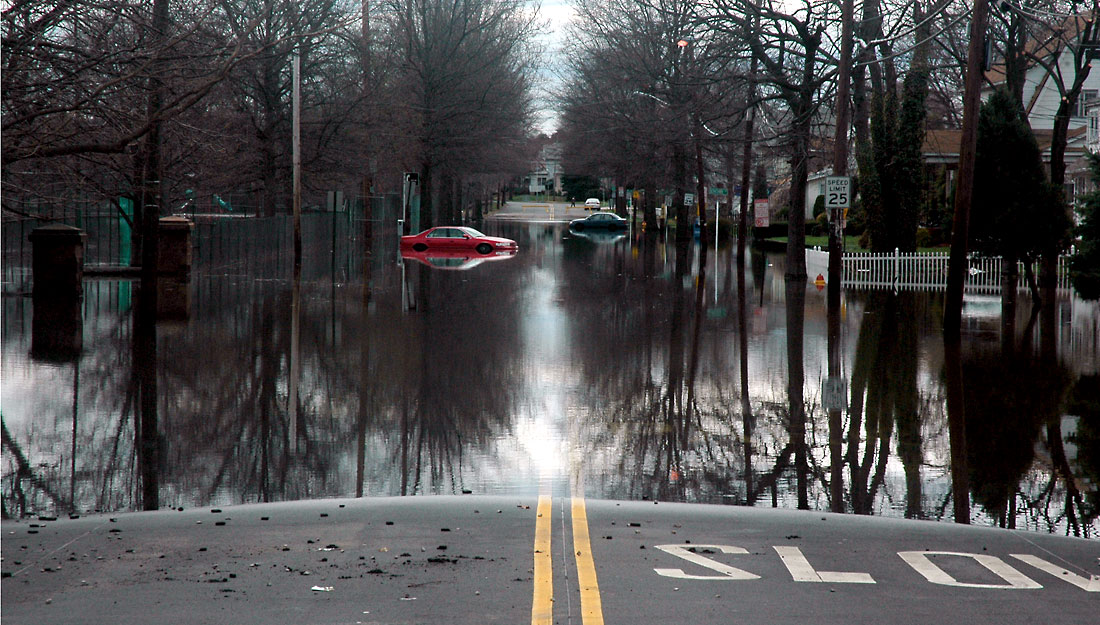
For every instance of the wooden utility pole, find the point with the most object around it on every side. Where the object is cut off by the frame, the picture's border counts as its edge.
(840, 168)
(368, 176)
(296, 142)
(964, 193)
(957, 266)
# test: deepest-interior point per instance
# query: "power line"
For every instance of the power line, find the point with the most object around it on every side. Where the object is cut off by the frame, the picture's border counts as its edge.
(919, 43)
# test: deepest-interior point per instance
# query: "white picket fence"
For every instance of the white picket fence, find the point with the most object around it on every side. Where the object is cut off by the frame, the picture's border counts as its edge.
(910, 271)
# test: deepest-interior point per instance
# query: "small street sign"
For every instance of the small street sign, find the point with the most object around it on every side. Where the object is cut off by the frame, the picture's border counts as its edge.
(718, 191)
(689, 198)
(763, 219)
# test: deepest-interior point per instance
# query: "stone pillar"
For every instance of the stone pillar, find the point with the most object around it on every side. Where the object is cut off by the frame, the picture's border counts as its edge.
(174, 249)
(174, 268)
(58, 260)
(173, 298)
(57, 331)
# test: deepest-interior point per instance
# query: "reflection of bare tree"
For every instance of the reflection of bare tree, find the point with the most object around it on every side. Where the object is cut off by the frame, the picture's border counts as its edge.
(667, 432)
(69, 457)
(796, 316)
(459, 361)
(15, 498)
(748, 420)
(884, 393)
(147, 437)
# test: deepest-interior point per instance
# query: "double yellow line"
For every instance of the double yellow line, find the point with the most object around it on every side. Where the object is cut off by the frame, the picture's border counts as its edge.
(542, 605)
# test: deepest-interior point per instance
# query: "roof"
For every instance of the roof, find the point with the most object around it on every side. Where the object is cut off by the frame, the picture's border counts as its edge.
(942, 146)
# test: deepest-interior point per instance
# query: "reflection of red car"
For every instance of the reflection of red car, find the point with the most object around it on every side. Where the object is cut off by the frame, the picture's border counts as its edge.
(454, 259)
(456, 238)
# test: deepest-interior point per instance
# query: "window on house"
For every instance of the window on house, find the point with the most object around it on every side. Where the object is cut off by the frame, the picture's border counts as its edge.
(1094, 127)
(1086, 97)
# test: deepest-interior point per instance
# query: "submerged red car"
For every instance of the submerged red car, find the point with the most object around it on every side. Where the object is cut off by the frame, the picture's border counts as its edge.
(456, 238)
(455, 259)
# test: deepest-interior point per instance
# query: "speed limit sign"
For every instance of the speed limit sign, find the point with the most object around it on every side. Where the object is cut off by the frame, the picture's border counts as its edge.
(838, 192)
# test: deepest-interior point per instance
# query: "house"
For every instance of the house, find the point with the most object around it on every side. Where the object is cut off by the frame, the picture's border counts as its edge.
(546, 172)
(1042, 96)
(940, 153)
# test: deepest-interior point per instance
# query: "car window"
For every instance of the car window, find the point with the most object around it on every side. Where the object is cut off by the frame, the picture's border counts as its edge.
(436, 234)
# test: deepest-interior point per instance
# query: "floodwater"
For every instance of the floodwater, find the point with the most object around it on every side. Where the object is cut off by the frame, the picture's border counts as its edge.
(591, 365)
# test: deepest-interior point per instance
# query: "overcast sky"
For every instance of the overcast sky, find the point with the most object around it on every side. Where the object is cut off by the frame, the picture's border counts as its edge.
(557, 13)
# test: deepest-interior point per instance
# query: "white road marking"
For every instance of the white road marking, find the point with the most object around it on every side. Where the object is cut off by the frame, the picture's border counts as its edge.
(802, 571)
(1088, 585)
(922, 564)
(727, 572)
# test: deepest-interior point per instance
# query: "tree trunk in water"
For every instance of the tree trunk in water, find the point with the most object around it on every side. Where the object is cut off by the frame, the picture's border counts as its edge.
(956, 272)
(426, 196)
(796, 220)
(683, 221)
(651, 206)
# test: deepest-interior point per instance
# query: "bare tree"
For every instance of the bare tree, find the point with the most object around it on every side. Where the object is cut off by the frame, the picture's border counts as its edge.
(462, 88)
(651, 86)
(797, 58)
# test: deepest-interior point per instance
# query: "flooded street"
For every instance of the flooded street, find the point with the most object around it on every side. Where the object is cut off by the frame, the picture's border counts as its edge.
(586, 364)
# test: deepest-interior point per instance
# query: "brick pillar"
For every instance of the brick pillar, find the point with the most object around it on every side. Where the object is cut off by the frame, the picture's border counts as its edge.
(57, 331)
(174, 249)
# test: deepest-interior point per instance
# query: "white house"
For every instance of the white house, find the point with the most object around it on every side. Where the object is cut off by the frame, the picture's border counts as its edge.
(546, 172)
(1042, 94)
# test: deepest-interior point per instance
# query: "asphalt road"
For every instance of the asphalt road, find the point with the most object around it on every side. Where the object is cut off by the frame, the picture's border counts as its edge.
(541, 211)
(483, 560)
(470, 559)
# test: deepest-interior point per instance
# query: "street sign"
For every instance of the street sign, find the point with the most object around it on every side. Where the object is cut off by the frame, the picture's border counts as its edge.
(689, 199)
(763, 219)
(834, 393)
(838, 192)
(718, 191)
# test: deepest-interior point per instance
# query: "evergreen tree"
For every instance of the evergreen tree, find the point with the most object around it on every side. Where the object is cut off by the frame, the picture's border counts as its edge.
(760, 182)
(891, 173)
(1016, 211)
(909, 167)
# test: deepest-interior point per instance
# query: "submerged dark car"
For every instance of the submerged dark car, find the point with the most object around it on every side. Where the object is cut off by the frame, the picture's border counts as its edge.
(605, 221)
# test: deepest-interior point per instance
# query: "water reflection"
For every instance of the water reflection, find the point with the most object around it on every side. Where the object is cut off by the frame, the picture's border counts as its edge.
(626, 368)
